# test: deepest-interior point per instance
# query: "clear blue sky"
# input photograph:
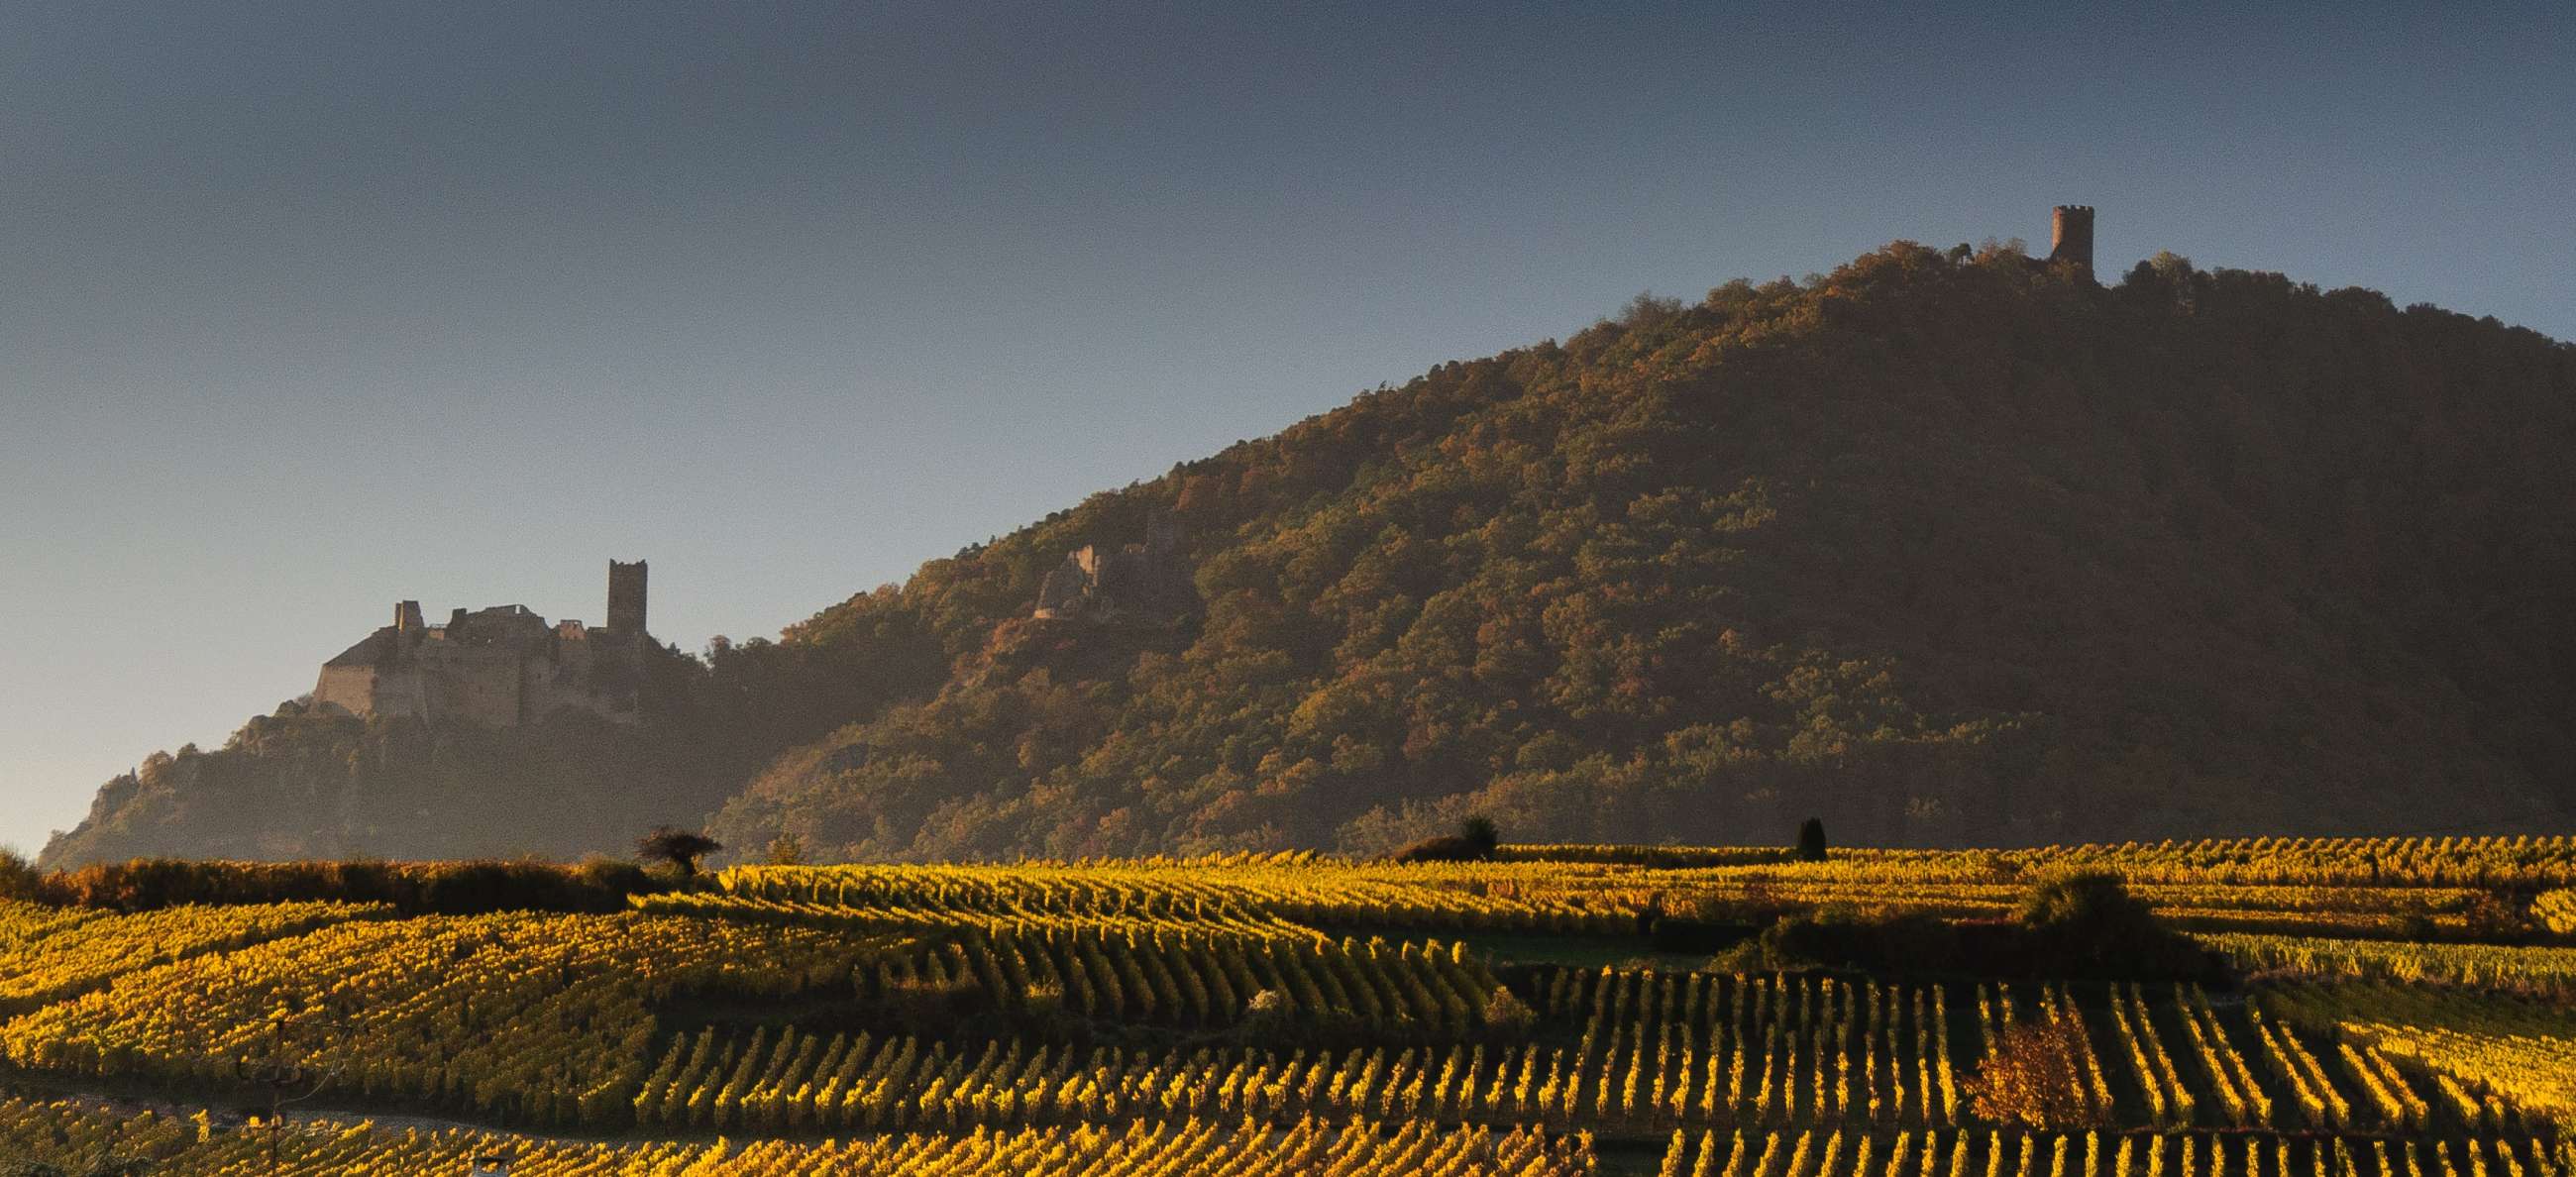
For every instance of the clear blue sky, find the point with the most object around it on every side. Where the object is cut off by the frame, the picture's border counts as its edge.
(307, 308)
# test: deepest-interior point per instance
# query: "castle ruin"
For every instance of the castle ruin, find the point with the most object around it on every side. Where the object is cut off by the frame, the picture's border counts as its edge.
(497, 667)
(2070, 236)
(1147, 581)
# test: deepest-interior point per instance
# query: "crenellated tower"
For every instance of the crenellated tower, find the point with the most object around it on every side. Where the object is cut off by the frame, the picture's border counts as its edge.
(2070, 236)
(626, 598)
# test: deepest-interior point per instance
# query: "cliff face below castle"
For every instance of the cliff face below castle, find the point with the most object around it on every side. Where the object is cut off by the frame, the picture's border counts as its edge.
(1939, 549)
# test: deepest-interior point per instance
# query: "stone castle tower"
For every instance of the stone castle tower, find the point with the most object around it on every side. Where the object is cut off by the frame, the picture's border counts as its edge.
(497, 667)
(626, 597)
(2070, 236)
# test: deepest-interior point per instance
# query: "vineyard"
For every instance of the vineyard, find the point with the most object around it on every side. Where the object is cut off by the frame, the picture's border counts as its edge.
(2371, 1009)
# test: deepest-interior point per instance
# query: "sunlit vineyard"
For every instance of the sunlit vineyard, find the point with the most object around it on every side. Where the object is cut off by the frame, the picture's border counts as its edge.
(519, 1017)
(49, 953)
(2538, 969)
(1138, 1148)
(2399, 1016)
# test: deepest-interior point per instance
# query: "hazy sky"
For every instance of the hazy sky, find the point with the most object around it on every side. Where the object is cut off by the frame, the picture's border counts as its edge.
(305, 309)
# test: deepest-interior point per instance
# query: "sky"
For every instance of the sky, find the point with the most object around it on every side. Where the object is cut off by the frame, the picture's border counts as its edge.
(305, 309)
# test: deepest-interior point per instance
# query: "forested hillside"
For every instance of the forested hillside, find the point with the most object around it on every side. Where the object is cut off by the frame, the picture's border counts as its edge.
(1941, 547)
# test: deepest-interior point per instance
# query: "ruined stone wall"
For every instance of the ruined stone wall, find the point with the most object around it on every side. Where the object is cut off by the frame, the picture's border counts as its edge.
(488, 686)
(480, 685)
(349, 688)
(400, 691)
(498, 667)
(585, 673)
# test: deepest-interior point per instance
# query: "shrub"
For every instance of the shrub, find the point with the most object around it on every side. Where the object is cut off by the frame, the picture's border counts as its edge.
(1844, 935)
(1445, 848)
(1266, 1016)
(2034, 1077)
(927, 1008)
(1507, 1015)
(414, 888)
(2086, 924)
(1476, 841)
(1269, 1021)
(2492, 917)
(19, 878)
(2086, 905)
(1756, 904)
(2070, 926)
(610, 876)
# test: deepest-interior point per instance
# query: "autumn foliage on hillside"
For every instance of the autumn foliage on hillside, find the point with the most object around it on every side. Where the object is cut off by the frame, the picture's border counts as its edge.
(1937, 547)
(1941, 548)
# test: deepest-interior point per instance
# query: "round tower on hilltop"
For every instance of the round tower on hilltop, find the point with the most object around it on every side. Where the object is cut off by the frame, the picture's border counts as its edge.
(2070, 236)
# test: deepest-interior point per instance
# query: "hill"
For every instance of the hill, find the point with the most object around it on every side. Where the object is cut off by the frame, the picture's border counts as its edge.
(1945, 547)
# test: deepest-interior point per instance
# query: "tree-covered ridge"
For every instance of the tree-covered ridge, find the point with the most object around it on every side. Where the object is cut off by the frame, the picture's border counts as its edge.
(1941, 547)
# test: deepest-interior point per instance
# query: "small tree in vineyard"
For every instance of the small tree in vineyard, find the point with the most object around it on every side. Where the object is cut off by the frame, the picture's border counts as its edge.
(681, 848)
(2035, 1078)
